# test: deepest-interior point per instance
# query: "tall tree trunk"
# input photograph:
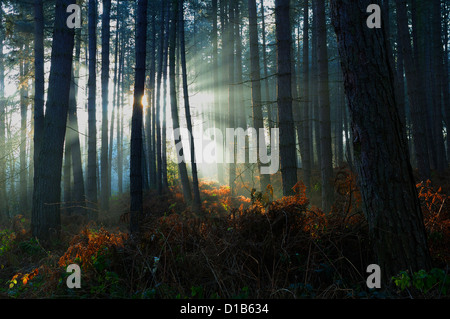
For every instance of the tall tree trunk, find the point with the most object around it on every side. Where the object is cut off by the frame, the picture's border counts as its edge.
(67, 174)
(78, 194)
(195, 187)
(23, 79)
(216, 86)
(306, 159)
(136, 177)
(164, 107)
(4, 210)
(231, 96)
(104, 195)
(268, 101)
(119, 118)
(413, 87)
(158, 102)
(437, 81)
(150, 122)
(258, 120)
(390, 200)
(315, 91)
(446, 81)
(114, 105)
(324, 104)
(45, 219)
(92, 123)
(39, 80)
(284, 97)
(243, 169)
(182, 170)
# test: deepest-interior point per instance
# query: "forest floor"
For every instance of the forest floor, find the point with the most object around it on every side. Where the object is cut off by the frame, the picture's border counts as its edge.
(251, 246)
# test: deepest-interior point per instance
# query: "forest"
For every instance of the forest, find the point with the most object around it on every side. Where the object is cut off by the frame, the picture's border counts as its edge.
(224, 149)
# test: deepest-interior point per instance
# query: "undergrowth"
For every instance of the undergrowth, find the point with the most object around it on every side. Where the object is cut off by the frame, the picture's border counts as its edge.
(243, 247)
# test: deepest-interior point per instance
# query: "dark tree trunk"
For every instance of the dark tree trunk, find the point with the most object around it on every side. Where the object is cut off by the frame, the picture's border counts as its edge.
(91, 193)
(413, 87)
(150, 122)
(326, 157)
(230, 46)
(45, 219)
(73, 139)
(165, 184)
(119, 105)
(39, 79)
(437, 81)
(23, 84)
(136, 179)
(216, 85)
(284, 97)
(390, 200)
(4, 211)
(446, 81)
(182, 170)
(195, 187)
(104, 195)
(258, 120)
(306, 159)
(268, 101)
(159, 182)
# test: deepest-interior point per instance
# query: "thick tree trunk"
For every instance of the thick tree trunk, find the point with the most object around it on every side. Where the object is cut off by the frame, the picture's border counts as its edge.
(390, 200)
(45, 219)
(284, 97)
(136, 179)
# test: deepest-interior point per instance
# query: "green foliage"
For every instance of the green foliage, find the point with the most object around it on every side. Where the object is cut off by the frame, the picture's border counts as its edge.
(424, 282)
(30, 247)
(6, 241)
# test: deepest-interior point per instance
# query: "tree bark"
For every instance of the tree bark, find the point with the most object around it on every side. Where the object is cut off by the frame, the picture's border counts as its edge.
(418, 129)
(306, 159)
(231, 95)
(390, 200)
(45, 219)
(182, 170)
(284, 98)
(23, 85)
(258, 120)
(437, 87)
(136, 178)
(326, 156)
(195, 187)
(158, 103)
(4, 210)
(104, 194)
(91, 193)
